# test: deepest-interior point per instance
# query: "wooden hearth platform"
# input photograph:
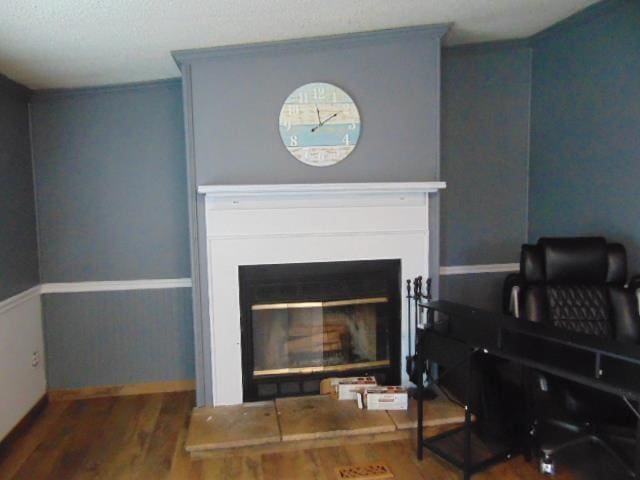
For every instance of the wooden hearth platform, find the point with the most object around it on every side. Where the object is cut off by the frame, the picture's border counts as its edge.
(305, 422)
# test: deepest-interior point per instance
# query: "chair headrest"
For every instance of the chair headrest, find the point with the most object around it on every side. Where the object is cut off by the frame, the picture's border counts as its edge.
(583, 260)
(574, 260)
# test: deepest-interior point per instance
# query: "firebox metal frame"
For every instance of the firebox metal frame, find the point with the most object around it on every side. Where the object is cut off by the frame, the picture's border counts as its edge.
(253, 277)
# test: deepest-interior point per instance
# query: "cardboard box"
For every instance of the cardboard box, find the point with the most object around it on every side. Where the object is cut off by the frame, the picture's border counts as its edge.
(348, 388)
(386, 398)
(329, 386)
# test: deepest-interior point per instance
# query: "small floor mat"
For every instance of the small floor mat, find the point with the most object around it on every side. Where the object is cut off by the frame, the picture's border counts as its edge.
(373, 471)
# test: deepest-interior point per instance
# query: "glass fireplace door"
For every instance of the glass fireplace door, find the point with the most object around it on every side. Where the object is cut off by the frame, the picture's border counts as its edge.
(312, 337)
(304, 322)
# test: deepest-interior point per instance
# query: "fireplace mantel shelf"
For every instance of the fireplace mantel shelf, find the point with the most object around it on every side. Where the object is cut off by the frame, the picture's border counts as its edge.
(321, 188)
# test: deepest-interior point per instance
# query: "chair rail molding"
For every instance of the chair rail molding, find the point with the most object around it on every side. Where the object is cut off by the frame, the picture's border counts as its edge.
(100, 286)
(19, 299)
(115, 285)
(483, 268)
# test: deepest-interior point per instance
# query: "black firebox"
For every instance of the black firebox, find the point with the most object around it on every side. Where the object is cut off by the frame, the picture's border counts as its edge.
(302, 322)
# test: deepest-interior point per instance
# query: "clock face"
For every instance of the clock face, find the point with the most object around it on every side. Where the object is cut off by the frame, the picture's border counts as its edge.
(319, 124)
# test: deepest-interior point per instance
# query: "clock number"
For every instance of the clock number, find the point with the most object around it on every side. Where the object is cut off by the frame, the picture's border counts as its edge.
(352, 126)
(345, 140)
(293, 141)
(335, 97)
(303, 97)
(318, 93)
(293, 109)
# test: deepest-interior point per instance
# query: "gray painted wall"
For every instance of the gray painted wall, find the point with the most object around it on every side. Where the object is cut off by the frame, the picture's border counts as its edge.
(233, 98)
(485, 152)
(393, 79)
(18, 241)
(585, 138)
(584, 167)
(109, 338)
(481, 290)
(112, 205)
(111, 183)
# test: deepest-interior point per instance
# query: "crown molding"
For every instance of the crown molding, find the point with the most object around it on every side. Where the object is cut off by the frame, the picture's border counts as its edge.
(182, 57)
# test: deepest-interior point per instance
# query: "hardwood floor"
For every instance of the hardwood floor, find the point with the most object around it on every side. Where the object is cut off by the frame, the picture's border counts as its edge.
(142, 437)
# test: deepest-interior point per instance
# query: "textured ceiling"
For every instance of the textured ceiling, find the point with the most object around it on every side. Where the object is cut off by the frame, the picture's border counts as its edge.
(70, 43)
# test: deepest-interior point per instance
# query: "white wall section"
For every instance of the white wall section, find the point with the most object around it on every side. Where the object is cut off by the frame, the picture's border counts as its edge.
(22, 370)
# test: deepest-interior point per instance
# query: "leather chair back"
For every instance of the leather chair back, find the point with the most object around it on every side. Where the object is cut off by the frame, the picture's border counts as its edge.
(578, 284)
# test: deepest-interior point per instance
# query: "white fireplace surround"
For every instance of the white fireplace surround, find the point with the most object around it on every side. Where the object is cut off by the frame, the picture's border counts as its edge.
(300, 223)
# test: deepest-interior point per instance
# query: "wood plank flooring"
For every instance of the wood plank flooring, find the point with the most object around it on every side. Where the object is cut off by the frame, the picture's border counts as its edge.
(143, 436)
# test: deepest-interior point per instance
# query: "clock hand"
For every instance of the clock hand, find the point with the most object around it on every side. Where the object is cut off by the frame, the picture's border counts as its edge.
(323, 122)
(326, 120)
(319, 121)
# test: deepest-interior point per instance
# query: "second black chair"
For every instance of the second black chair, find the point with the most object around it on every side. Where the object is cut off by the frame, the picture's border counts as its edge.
(576, 284)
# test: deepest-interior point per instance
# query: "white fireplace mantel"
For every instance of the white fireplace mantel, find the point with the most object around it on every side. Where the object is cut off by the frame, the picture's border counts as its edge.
(300, 223)
(320, 188)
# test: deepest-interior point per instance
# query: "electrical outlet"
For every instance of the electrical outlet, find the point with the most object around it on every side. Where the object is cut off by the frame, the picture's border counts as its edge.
(35, 359)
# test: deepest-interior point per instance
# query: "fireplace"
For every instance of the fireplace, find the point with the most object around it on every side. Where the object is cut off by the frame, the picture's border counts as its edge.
(302, 322)
(292, 229)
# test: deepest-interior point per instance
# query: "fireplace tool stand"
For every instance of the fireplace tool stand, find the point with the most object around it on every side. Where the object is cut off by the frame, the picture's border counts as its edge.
(415, 371)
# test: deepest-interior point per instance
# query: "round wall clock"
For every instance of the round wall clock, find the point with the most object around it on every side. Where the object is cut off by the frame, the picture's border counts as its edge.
(319, 124)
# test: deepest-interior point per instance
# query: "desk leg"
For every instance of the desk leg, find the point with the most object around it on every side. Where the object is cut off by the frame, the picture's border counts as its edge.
(637, 460)
(527, 424)
(467, 423)
(419, 400)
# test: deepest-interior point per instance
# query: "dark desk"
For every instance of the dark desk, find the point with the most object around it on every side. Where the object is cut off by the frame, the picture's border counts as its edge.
(455, 333)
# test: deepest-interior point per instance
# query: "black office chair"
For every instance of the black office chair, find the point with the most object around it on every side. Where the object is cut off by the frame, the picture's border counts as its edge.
(576, 284)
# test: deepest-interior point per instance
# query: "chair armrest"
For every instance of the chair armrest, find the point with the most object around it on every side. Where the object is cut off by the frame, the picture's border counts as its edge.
(634, 288)
(634, 283)
(512, 295)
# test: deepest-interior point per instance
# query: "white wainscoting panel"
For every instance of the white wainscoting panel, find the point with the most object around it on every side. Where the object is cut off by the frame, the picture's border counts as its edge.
(21, 383)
